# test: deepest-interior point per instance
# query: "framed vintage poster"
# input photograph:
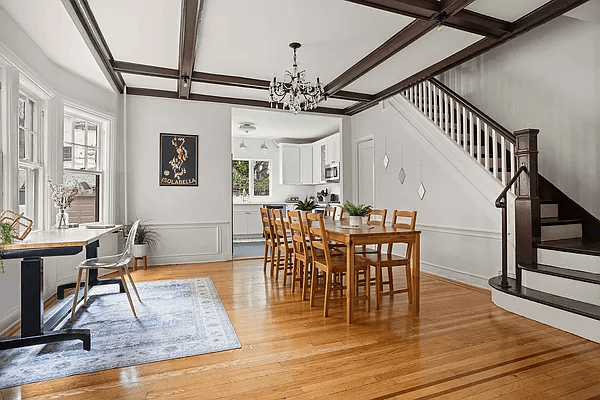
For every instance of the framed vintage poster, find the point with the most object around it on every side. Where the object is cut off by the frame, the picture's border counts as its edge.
(178, 160)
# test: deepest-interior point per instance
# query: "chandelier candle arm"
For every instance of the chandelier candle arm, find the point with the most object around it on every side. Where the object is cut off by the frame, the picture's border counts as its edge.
(296, 94)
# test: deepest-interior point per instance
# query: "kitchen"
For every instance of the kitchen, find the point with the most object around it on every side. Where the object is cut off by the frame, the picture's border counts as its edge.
(279, 159)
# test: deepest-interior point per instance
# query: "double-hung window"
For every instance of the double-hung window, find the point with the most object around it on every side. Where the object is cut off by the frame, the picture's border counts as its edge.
(30, 158)
(82, 144)
(251, 178)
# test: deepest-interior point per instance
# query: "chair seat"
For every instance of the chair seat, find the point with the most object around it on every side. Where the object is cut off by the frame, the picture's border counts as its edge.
(382, 259)
(105, 262)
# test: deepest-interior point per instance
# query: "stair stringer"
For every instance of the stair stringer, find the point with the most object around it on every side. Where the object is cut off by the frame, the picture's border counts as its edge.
(437, 143)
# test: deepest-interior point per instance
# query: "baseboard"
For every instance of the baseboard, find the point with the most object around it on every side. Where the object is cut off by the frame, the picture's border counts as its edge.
(455, 275)
(8, 321)
(188, 258)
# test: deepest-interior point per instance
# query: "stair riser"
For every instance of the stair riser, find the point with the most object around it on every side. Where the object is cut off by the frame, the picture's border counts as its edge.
(579, 262)
(549, 210)
(582, 291)
(557, 232)
(578, 325)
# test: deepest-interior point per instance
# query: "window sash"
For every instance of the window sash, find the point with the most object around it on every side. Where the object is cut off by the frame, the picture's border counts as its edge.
(251, 178)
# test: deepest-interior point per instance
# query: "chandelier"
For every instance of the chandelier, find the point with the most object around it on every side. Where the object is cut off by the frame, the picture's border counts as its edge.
(296, 94)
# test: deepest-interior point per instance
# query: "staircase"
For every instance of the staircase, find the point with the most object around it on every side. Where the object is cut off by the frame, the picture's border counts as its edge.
(557, 277)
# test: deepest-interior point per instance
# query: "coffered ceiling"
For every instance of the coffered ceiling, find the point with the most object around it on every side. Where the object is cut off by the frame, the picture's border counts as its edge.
(363, 50)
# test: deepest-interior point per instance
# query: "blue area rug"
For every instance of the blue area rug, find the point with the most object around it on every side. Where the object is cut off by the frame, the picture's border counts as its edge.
(178, 318)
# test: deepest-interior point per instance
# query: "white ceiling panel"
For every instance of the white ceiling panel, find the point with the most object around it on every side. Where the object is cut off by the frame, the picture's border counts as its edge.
(508, 10)
(51, 28)
(251, 38)
(336, 103)
(431, 48)
(150, 82)
(140, 31)
(271, 124)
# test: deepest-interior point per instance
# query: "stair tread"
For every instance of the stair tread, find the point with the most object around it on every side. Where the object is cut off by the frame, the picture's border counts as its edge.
(577, 245)
(552, 300)
(555, 221)
(582, 276)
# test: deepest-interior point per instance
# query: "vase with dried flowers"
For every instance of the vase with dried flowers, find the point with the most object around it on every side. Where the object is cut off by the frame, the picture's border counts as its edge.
(63, 196)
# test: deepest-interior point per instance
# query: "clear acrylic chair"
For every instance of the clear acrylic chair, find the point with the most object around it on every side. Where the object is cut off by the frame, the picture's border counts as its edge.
(117, 262)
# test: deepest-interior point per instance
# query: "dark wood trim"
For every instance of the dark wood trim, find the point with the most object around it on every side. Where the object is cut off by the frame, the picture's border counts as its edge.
(540, 16)
(86, 23)
(399, 41)
(465, 20)
(218, 79)
(191, 12)
(135, 91)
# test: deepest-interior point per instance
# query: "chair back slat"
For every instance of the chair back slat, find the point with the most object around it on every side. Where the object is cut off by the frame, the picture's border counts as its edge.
(404, 220)
(280, 228)
(377, 217)
(267, 224)
(298, 234)
(317, 235)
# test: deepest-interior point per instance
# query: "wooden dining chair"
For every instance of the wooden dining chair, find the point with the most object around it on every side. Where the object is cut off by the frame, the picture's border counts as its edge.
(302, 253)
(283, 245)
(269, 234)
(329, 264)
(343, 213)
(376, 217)
(403, 220)
(329, 213)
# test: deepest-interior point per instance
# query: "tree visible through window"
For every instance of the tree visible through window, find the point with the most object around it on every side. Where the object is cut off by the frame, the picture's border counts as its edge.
(257, 183)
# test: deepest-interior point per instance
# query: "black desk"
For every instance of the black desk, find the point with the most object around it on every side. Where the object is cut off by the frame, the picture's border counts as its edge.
(49, 243)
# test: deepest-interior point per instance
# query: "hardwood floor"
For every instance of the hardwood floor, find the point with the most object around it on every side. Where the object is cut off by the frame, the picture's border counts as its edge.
(460, 346)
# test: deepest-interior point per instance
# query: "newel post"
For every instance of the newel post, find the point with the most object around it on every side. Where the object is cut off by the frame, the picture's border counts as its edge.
(527, 204)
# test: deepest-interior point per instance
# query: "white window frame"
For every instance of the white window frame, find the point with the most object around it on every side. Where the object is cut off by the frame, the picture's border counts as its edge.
(251, 162)
(104, 142)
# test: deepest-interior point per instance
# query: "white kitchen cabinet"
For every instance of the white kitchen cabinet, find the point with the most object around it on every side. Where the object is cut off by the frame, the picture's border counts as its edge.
(306, 165)
(316, 149)
(332, 146)
(296, 164)
(290, 164)
(247, 219)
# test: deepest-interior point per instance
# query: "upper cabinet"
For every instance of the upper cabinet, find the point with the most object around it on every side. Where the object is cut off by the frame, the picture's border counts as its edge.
(304, 164)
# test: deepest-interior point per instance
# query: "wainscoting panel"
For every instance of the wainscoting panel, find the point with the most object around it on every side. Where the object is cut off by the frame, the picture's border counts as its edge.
(191, 242)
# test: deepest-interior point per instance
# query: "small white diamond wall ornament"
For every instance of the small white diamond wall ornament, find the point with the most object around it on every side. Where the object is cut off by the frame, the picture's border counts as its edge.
(386, 159)
(401, 174)
(421, 190)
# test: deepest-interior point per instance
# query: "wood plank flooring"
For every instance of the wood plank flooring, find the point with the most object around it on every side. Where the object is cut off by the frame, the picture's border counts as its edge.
(460, 346)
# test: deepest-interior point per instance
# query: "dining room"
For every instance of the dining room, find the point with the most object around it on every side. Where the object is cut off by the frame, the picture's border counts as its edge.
(121, 132)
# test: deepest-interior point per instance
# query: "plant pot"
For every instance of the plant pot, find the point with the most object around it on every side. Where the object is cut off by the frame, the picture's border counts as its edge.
(355, 220)
(140, 250)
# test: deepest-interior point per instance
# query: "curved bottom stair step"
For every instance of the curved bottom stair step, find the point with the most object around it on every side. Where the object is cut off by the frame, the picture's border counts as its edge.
(548, 299)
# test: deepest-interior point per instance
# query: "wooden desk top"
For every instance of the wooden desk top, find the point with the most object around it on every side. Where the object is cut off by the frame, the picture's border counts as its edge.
(51, 238)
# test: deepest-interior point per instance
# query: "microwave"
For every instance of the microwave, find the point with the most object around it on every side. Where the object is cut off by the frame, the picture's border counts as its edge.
(332, 172)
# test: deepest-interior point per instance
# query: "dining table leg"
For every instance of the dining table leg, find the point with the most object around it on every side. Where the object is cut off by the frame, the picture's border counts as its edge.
(416, 273)
(350, 281)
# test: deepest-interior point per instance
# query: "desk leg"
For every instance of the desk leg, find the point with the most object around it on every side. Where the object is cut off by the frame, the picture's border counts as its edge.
(32, 296)
(350, 282)
(417, 273)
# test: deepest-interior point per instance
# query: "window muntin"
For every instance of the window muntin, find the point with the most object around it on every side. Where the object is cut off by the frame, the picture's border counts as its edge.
(80, 144)
(255, 182)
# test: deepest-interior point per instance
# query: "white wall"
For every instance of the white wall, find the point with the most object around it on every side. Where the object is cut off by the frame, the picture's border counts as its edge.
(460, 226)
(548, 79)
(194, 222)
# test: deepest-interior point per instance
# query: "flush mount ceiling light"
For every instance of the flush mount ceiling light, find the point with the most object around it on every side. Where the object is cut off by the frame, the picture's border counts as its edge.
(247, 127)
(296, 94)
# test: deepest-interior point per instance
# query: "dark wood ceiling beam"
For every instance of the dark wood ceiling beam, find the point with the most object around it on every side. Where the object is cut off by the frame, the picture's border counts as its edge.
(135, 91)
(465, 20)
(191, 12)
(218, 79)
(84, 20)
(540, 16)
(399, 41)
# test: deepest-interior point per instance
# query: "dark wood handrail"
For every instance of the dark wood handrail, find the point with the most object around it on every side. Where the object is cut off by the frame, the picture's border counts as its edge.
(501, 130)
(501, 203)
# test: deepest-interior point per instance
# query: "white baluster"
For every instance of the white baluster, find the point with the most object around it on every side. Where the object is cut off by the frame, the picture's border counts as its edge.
(436, 115)
(452, 127)
(471, 134)
(487, 146)
(421, 107)
(478, 136)
(411, 94)
(494, 154)
(503, 159)
(446, 116)
(429, 99)
(513, 165)
(464, 128)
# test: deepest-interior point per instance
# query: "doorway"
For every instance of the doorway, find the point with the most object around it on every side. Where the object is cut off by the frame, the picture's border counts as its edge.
(365, 176)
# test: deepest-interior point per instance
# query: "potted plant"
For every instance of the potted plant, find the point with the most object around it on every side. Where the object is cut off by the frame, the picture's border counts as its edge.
(356, 212)
(145, 237)
(7, 236)
(306, 206)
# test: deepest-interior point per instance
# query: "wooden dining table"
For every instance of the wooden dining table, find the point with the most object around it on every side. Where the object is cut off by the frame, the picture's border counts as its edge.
(339, 232)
